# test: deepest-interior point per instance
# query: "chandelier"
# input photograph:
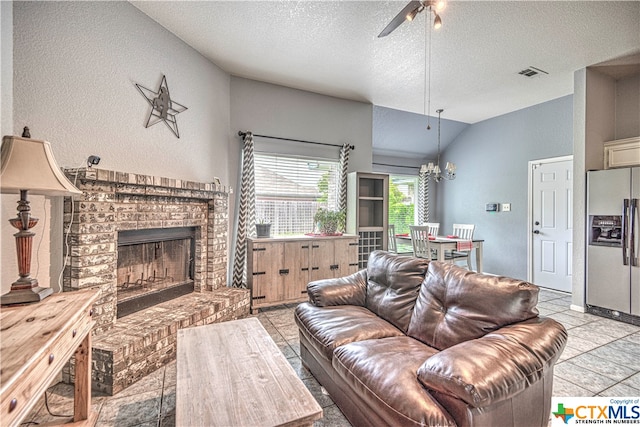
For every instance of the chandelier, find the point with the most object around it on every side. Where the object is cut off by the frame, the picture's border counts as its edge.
(433, 171)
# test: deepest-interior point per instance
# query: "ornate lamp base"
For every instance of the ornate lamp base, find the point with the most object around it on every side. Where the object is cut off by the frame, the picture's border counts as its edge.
(25, 289)
(23, 296)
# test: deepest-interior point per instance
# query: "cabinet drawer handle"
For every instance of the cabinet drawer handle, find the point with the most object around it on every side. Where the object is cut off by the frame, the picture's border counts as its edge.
(260, 297)
(13, 404)
(304, 292)
(259, 273)
(51, 357)
(259, 249)
(315, 268)
(305, 247)
(353, 264)
(284, 271)
(305, 269)
(334, 267)
(353, 244)
(315, 246)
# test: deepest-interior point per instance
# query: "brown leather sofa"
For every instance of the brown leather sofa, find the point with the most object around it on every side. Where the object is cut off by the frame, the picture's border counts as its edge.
(408, 342)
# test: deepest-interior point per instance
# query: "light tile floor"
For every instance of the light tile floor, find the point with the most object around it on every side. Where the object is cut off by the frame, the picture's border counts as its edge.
(602, 358)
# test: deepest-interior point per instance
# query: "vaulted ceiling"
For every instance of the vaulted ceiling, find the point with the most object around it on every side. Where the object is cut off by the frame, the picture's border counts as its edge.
(332, 48)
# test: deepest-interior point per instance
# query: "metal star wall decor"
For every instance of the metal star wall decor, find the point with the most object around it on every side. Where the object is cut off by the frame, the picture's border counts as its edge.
(163, 108)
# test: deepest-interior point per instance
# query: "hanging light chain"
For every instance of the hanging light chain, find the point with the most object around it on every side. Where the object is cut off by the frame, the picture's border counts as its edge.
(427, 32)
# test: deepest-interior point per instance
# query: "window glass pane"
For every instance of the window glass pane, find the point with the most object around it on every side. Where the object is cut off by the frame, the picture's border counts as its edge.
(289, 191)
(402, 202)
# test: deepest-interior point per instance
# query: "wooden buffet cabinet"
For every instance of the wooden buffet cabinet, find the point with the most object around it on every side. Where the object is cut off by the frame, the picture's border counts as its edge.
(278, 269)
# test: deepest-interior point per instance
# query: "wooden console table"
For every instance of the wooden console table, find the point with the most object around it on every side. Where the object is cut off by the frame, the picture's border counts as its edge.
(233, 374)
(37, 341)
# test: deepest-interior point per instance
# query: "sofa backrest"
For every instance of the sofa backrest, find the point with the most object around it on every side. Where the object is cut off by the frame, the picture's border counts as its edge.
(393, 283)
(456, 305)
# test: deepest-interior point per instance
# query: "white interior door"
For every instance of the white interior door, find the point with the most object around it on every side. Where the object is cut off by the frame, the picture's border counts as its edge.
(551, 223)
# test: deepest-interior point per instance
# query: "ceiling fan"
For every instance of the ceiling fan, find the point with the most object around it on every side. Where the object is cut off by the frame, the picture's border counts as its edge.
(411, 10)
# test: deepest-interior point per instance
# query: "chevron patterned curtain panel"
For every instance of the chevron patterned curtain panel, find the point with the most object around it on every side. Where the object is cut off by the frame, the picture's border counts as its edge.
(423, 198)
(246, 213)
(343, 167)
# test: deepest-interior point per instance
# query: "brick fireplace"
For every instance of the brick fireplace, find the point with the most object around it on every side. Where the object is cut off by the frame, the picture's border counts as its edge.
(113, 205)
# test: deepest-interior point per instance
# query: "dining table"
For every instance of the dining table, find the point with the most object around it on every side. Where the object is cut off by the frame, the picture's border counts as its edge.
(444, 243)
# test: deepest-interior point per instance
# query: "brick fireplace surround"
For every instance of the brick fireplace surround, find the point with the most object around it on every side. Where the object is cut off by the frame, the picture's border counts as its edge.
(128, 348)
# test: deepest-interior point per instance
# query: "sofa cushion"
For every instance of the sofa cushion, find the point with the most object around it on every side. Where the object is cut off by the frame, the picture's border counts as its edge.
(348, 290)
(329, 327)
(393, 283)
(457, 305)
(382, 372)
(497, 366)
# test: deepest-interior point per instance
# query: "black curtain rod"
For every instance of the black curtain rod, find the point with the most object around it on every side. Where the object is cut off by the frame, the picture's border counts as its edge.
(397, 166)
(242, 134)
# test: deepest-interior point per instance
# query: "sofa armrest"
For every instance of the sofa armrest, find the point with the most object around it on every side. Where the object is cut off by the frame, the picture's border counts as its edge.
(348, 290)
(498, 365)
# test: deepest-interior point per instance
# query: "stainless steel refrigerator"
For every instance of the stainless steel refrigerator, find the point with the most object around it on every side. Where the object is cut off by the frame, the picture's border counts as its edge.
(613, 235)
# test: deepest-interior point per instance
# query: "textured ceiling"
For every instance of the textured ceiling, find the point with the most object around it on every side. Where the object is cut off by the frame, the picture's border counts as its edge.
(332, 48)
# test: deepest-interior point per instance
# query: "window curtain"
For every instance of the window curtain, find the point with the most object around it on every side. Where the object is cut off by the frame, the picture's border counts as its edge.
(423, 197)
(246, 213)
(345, 150)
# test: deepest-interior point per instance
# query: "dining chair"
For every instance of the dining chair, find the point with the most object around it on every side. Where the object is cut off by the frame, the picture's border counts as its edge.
(422, 246)
(420, 241)
(463, 231)
(434, 227)
(391, 244)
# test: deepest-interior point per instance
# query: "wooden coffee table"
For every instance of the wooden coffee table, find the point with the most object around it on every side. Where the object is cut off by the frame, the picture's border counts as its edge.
(233, 374)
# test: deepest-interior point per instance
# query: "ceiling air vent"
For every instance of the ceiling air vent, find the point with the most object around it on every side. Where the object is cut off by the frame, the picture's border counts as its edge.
(532, 71)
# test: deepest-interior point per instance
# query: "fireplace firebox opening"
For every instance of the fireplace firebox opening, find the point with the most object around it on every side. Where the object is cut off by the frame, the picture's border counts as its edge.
(154, 265)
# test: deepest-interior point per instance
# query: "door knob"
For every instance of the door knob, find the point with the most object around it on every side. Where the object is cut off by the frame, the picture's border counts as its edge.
(536, 231)
(537, 223)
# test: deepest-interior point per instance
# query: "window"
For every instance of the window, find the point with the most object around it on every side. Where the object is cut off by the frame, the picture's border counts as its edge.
(289, 191)
(402, 201)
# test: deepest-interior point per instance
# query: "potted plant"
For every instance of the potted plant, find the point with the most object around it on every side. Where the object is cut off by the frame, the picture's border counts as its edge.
(263, 229)
(328, 221)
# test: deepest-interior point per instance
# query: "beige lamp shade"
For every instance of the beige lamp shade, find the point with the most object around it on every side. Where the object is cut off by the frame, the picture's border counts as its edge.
(28, 164)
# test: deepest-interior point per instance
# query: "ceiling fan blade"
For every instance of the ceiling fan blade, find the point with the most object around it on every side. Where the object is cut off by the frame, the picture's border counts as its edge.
(400, 18)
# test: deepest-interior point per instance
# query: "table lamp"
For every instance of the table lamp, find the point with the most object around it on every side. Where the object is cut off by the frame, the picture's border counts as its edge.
(28, 165)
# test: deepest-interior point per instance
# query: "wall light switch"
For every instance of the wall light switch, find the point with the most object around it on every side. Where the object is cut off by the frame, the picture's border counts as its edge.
(506, 207)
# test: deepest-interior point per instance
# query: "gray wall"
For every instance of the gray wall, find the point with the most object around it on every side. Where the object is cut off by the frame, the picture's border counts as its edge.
(75, 65)
(492, 158)
(273, 110)
(74, 69)
(405, 134)
(6, 67)
(628, 107)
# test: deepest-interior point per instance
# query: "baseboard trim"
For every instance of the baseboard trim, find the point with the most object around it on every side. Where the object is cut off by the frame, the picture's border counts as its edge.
(578, 308)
